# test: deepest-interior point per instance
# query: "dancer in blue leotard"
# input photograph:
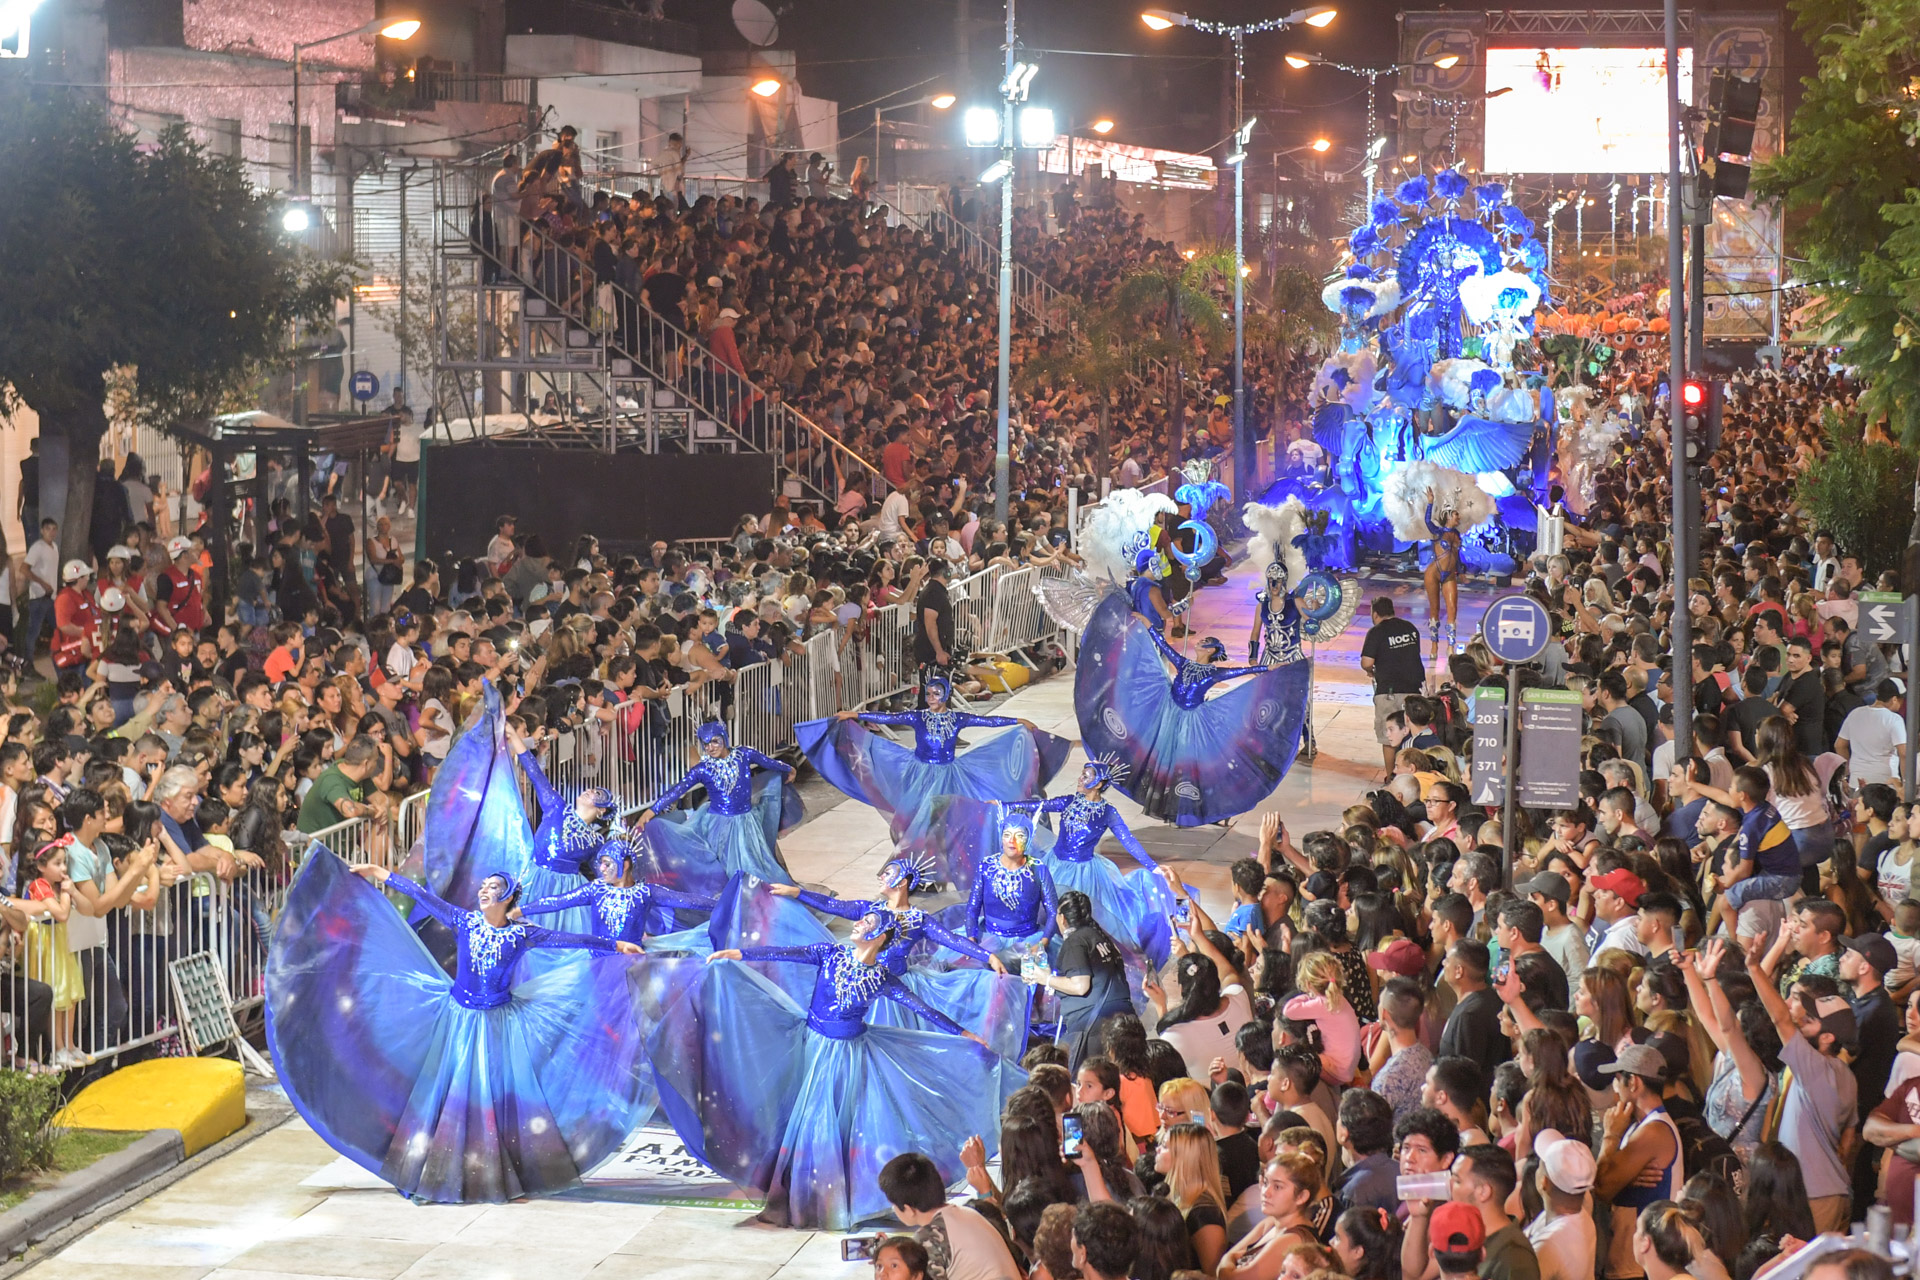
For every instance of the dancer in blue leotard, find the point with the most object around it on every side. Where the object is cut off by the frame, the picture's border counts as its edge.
(1443, 574)
(478, 1087)
(806, 1105)
(968, 995)
(898, 782)
(1132, 906)
(1014, 908)
(733, 831)
(1188, 759)
(626, 912)
(566, 841)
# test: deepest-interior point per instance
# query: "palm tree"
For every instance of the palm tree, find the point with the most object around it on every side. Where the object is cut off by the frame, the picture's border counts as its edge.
(1294, 321)
(1098, 360)
(1165, 310)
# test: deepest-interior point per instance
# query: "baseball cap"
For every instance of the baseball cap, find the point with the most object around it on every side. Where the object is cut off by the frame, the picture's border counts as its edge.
(74, 570)
(1569, 1164)
(1639, 1060)
(1548, 884)
(1836, 1019)
(728, 313)
(1456, 1228)
(178, 546)
(1875, 949)
(1675, 1053)
(1403, 956)
(1622, 882)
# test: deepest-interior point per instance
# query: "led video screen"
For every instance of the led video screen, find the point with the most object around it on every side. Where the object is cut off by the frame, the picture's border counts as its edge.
(1580, 110)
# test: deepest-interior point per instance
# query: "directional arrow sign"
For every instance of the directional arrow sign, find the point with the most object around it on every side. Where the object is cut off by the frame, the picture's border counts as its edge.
(1882, 616)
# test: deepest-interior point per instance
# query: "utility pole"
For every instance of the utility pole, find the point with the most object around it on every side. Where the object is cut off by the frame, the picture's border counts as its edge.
(1002, 468)
(1682, 622)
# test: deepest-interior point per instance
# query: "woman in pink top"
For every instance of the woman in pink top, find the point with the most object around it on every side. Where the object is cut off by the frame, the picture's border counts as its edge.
(1320, 1001)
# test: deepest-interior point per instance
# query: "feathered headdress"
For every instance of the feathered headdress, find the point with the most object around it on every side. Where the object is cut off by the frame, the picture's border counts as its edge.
(1116, 530)
(915, 869)
(1279, 534)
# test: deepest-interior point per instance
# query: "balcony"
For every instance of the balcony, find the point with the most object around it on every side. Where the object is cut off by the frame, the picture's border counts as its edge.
(421, 90)
(599, 22)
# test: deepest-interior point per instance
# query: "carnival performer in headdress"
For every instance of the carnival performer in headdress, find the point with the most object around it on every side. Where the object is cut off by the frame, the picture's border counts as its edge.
(623, 911)
(734, 831)
(1443, 574)
(566, 842)
(463, 1089)
(1013, 906)
(896, 781)
(972, 997)
(1133, 905)
(1188, 759)
(806, 1105)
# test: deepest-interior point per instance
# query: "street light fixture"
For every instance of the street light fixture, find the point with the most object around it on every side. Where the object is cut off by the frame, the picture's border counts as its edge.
(391, 28)
(1102, 126)
(981, 127)
(1300, 61)
(1161, 20)
(941, 101)
(938, 101)
(765, 88)
(1321, 145)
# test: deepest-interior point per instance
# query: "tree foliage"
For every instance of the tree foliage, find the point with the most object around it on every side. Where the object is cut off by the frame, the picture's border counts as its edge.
(1849, 183)
(159, 265)
(1861, 492)
(1165, 311)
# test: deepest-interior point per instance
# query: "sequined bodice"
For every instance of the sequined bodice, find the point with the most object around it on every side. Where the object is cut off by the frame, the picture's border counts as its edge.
(729, 780)
(936, 738)
(1081, 826)
(565, 839)
(1013, 905)
(1190, 683)
(1280, 632)
(483, 972)
(615, 907)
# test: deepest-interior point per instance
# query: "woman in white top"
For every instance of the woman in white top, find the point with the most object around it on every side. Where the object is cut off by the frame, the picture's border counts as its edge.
(1797, 792)
(1202, 1026)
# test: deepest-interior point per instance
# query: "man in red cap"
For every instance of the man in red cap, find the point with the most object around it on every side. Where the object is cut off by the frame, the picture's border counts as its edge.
(1452, 1244)
(1616, 918)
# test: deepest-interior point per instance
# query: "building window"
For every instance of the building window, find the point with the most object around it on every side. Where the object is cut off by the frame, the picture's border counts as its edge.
(223, 137)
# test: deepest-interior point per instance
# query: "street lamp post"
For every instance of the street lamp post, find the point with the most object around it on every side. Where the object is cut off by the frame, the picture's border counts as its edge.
(1237, 33)
(391, 28)
(938, 101)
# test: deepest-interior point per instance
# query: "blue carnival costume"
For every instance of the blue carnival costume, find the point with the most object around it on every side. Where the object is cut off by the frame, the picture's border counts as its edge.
(565, 846)
(875, 771)
(807, 1105)
(474, 804)
(996, 1004)
(629, 913)
(1187, 759)
(474, 1088)
(1012, 911)
(734, 831)
(1131, 906)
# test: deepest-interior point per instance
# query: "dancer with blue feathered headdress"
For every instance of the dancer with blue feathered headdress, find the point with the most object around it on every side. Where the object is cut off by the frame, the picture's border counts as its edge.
(736, 830)
(497, 1083)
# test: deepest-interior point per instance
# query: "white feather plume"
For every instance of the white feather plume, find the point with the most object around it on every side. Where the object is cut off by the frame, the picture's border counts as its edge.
(1358, 394)
(1274, 529)
(1512, 404)
(1116, 528)
(1404, 499)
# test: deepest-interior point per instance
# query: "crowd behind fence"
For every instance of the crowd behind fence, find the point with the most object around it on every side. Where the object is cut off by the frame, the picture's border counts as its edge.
(636, 750)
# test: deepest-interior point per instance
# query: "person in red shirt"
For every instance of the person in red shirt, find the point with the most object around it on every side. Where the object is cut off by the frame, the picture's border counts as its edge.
(76, 619)
(182, 601)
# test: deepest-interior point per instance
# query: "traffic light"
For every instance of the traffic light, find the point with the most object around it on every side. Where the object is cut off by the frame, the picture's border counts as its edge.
(1700, 403)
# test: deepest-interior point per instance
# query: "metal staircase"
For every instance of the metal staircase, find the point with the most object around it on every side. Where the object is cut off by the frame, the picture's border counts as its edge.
(529, 342)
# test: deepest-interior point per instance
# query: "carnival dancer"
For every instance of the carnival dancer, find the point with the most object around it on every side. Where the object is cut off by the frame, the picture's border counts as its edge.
(1133, 906)
(806, 1105)
(566, 842)
(872, 770)
(735, 830)
(464, 1089)
(1012, 908)
(1443, 574)
(972, 997)
(623, 911)
(1276, 626)
(1186, 759)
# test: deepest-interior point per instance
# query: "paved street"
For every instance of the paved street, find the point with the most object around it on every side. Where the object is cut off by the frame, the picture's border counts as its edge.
(284, 1205)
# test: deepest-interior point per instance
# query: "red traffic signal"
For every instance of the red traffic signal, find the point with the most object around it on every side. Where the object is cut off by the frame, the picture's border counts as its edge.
(1693, 393)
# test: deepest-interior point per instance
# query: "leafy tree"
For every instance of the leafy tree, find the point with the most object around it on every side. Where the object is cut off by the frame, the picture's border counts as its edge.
(161, 262)
(1861, 491)
(1164, 311)
(1850, 179)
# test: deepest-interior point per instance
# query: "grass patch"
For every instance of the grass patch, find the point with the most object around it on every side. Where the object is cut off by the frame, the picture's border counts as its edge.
(74, 1149)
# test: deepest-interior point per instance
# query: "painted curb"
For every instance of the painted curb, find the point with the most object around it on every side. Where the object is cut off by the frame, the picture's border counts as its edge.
(84, 1190)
